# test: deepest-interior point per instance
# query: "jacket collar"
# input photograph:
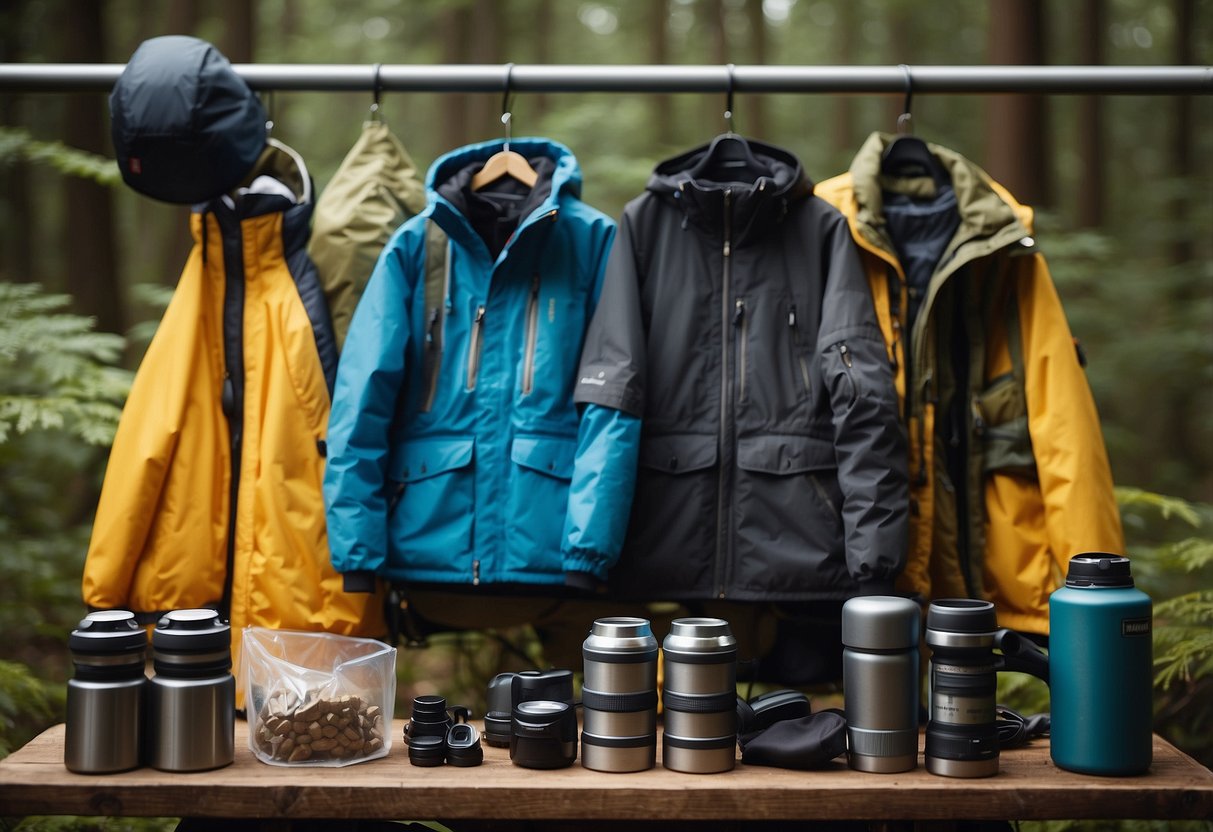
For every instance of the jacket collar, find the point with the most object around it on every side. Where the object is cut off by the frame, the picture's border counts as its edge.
(987, 211)
(560, 176)
(754, 208)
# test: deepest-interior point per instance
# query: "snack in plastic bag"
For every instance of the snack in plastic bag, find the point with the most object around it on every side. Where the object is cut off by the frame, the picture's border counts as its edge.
(318, 699)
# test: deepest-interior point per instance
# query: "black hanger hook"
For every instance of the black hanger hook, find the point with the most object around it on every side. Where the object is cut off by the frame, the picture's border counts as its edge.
(728, 101)
(506, 116)
(904, 121)
(376, 89)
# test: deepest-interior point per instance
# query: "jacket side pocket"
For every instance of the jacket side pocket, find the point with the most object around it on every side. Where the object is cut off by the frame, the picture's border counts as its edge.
(433, 518)
(541, 469)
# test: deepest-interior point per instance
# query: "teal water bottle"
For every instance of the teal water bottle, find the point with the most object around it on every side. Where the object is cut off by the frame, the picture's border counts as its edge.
(1100, 662)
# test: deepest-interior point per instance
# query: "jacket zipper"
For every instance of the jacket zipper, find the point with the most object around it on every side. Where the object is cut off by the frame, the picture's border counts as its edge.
(475, 573)
(435, 338)
(532, 334)
(474, 348)
(723, 522)
(795, 327)
(739, 318)
(233, 392)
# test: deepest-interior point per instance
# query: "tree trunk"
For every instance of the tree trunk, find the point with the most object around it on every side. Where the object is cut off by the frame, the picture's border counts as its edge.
(454, 108)
(92, 277)
(1091, 139)
(544, 14)
(489, 40)
(844, 137)
(659, 55)
(756, 109)
(718, 44)
(1017, 152)
(238, 18)
(16, 231)
(1181, 135)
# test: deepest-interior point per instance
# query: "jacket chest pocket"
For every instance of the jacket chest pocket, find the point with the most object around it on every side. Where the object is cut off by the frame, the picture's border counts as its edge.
(540, 471)
(433, 517)
(553, 329)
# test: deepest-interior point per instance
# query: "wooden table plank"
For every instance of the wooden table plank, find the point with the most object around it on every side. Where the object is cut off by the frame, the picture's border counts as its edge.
(34, 781)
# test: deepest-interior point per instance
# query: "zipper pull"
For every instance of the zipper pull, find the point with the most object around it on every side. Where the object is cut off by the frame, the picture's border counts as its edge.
(479, 314)
(792, 316)
(738, 311)
(535, 285)
(430, 325)
(846, 355)
(727, 248)
(475, 573)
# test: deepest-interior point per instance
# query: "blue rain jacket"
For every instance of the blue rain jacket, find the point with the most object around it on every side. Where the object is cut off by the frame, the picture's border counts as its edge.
(493, 475)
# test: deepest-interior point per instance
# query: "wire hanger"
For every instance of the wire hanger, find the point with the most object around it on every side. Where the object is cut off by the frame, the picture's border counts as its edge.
(376, 114)
(907, 155)
(506, 162)
(729, 157)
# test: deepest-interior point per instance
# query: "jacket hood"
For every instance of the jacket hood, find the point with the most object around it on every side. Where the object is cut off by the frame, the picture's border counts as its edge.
(987, 209)
(697, 181)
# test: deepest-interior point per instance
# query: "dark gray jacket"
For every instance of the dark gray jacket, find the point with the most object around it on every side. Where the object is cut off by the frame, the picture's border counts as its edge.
(736, 321)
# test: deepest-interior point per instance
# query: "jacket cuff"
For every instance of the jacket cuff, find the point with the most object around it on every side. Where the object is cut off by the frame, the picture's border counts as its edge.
(361, 580)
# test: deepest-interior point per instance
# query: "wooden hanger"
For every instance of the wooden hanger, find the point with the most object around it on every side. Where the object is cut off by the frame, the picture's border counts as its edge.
(505, 162)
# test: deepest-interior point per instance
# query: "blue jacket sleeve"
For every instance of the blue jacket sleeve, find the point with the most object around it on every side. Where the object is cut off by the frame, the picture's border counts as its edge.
(600, 497)
(369, 377)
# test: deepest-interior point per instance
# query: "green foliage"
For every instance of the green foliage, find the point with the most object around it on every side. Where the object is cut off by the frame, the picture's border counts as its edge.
(55, 372)
(25, 701)
(99, 824)
(18, 145)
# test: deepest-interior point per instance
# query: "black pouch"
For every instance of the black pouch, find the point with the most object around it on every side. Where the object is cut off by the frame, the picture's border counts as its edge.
(804, 743)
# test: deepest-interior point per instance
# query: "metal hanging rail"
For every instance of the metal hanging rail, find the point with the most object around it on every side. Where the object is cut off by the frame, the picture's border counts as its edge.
(958, 80)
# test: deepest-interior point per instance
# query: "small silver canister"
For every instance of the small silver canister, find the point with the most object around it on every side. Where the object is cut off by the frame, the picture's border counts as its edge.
(619, 696)
(193, 694)
(699, 694)
(105, 697)
(880, 682)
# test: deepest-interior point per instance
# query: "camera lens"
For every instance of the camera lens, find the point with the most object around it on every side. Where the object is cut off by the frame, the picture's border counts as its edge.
(544, 734)
(962, 735)
(619, 696)
(700, 696)
(429, 718)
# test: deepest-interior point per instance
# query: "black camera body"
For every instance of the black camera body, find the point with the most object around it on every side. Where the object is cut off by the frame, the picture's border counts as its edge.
(507, 690)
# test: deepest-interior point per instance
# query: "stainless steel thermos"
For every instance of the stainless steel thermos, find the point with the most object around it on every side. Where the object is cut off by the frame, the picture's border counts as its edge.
(106, 696)
(193, 694)
(700, 696)
(880, 682)
(619, 696)
(1100, 669)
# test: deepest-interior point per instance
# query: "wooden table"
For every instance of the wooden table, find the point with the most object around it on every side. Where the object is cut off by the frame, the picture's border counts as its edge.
(33, 781)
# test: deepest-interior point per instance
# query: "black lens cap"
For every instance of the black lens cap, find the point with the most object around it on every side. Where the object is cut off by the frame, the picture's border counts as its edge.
(427, 750)
(463, 746)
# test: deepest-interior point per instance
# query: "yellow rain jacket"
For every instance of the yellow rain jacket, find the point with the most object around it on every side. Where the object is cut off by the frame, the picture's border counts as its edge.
(212, 492)
(1008, 471)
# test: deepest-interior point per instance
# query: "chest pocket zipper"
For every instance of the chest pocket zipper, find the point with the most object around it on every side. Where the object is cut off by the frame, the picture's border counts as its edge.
(532, 336)
(742, 324)
(474, 347)
(803, 365)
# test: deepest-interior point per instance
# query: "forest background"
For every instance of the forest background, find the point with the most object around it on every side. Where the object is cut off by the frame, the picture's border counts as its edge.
(1123, 186)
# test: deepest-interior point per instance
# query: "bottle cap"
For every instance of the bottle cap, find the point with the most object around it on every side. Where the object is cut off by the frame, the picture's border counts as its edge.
(108, 632)
(1099, 570)
(880, 622)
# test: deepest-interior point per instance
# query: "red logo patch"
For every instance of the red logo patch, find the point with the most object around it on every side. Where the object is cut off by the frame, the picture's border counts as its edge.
(135, 165)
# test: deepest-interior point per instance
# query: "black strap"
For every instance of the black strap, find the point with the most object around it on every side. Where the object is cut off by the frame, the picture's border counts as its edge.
(1015, 729)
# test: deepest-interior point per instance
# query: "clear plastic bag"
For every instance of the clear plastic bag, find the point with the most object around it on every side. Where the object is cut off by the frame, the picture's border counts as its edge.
(317, 699)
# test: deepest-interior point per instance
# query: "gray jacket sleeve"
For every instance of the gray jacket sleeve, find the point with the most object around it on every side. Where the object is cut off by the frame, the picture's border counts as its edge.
(612, 371)
(869, 441)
